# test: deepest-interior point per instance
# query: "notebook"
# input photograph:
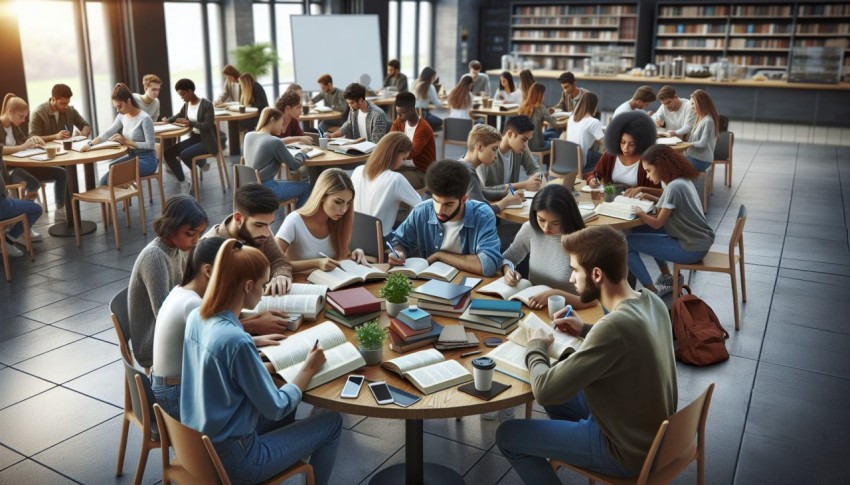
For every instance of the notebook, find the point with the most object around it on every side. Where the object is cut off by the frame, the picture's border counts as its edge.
(347, 273)
(510, 356)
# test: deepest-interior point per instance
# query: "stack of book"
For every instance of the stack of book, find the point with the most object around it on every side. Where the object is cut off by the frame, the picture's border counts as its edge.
(456, 337)
(494, 316)
(352, 307)
(441, 298)
(413, 329)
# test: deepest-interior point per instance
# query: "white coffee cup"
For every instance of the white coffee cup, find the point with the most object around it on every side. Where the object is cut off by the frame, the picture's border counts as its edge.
(323, 143)
(482, 373)
(556, 304)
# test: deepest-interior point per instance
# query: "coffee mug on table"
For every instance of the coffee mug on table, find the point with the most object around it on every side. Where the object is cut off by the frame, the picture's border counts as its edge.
(241, 109)
(482, 373)
(67, 144)
(556, 304)
(51, 152)
(305, 109)
(323, 143)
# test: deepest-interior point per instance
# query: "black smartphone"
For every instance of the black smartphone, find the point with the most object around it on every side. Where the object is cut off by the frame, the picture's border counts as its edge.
(403, 398)
(381, 391)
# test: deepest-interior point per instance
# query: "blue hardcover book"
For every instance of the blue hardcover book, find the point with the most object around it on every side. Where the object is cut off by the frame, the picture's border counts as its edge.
(417, 319)
(441, 292)
(506, 308)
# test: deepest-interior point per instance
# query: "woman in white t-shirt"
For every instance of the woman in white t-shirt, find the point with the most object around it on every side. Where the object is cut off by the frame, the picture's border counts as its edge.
(387, 189)
(585, 130)
(507, 89)
(626, 138)
(319, 233)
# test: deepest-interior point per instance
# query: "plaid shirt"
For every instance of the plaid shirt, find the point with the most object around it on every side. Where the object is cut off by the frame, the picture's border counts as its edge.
(376, 120)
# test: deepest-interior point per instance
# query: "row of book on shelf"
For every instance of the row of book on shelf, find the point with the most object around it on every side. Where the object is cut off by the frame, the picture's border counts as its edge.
(564, 10)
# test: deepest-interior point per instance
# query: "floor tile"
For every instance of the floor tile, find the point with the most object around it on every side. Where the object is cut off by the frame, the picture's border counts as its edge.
(17, 325)
(15, 386)
(359, 455)
(105, 293)
(809, 249)
(70, 361)
(806, 348)
(451, 454)
(28, 471)
(9, 457)
(106, 383)
(61, 309)
(34, 343)
(89, 322)
(490, 469)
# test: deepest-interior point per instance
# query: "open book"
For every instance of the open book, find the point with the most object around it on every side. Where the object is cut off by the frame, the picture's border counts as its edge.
(508, 106)
(345, 141)
(248, 109)
(295, 149)
(523, 291)
(322, 109)
(77, 145)
(669, 140)
(341, 356)
(361, 148)
(347, 273)
(419, 268)
(165, 127)
(510, 356)
(307, 300)
(588, 215)
(623, 207)
(429, 371)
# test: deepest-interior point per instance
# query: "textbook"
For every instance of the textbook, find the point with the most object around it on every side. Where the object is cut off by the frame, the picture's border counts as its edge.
(362, 148)
(441, 292)
(353, 321)
(623, 207)
(429, 371)
(405, 332)
(347, 273)
(237, 109)
(345, 141)
(523, 291)
(398, 344)
(489, 320)
(588, 215)
(296, 149)
(508, 106)
(354, 301)
(341, 356)
(469, 340)
(419, 268)
(307, 300)
(510, 356)
(165, 127)
(77, 145)
(446, 309)
(486, 328)
(669, 140)
(496, 308)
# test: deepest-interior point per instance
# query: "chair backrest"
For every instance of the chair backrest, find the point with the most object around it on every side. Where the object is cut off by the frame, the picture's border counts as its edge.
(565, 158)
(141, 398)
(738, 231)
(124, 173)
(197, 458)
(368, 235)
(456, 130)
(243, 174)
(121, 321)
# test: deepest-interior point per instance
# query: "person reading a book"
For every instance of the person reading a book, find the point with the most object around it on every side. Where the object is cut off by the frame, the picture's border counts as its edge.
(450, 228)
(532, 106)
(290, 104)
(253, 95)
(232, 92)
(571, 94)
(56, 119)
(513, 154)
(508, 91)
(585, 130)
(626, 353)
(387, 188)
(460, 99)
(267, 154)
(481, 147)
(159, 268)
(318, 234)
(626, 138)
(480, 80)
(704, 133)
(333, 98)
(675, 115)
(395, 79)
(11, 207)
(643, 96)
(426, 95)
(228, 394)
(149, 100)
(365, 119)
(199, 115)
(424, 149)
(679, 231)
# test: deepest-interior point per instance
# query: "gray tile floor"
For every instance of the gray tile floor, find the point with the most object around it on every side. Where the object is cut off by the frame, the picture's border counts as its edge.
(778, 416)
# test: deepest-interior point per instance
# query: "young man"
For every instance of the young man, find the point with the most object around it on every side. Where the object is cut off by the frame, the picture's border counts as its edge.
(607, 399)
(571, 95)
(481, 147)
(56, 119)
(677, 116)
(512, 154)
(149, 102)
(640, 100)
(333, 99)
(449, 228)
(290, 104)
(365, 119)
(480, 80)
(395, 79)
(424, 147)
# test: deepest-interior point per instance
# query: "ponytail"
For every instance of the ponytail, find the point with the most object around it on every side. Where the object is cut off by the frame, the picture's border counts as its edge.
(268, 115)
(234, 264)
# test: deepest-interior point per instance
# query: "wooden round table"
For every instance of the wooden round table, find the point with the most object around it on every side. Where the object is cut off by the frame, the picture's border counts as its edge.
(70, 160)
(313, 116)
(232, 118)
(332, 159)
(168, 135)
(493, 112)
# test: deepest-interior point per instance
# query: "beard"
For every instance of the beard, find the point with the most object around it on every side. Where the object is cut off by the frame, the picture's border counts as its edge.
(243, 235)
(591, 291)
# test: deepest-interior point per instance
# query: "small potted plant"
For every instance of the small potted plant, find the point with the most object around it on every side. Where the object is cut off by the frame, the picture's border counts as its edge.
(371, 337)
(610, 192)
(395, 291)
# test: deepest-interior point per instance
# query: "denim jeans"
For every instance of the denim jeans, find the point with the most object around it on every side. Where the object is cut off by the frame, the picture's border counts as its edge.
(273, 448)
(147, 163)
(10, 207)
(661, 246)
(699, 164)
(284, 189)
(34, 176)
(572, 436)
(168, 397)
(435, 121)
(186, 150)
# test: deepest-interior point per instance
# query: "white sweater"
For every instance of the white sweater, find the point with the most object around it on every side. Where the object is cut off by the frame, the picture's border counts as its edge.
(381, 197)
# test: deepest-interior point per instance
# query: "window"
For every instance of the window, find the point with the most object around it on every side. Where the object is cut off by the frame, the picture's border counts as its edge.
(101, 63)
(184, 32)
(409, 35)
(263, 33)
(216, 49)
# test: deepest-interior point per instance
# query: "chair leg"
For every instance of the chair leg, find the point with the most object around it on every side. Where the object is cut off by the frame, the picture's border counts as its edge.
(528, 407)
(127, 211)
(711, 182)
(142, 213)
(161, 191)
(143, 461)
(6, 267)
(735, 298)
(104, 216)
(729, 174)
(221, 174)
(705, 189)
(223, 167)
(44, 198)
(76, 217)
(150, 191)
(28, 238)
(195, 179)
(122, 446)
(113, 208)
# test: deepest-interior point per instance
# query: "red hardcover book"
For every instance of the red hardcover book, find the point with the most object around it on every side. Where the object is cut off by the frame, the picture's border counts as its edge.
(397, 344)
(404, 331)
(354, 301)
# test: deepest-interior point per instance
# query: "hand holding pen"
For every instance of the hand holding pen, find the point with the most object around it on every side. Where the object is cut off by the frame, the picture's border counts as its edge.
(566, 322)
(395, 258)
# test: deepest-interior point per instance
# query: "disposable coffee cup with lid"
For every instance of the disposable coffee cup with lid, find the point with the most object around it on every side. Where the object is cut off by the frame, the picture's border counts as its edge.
(483, 373)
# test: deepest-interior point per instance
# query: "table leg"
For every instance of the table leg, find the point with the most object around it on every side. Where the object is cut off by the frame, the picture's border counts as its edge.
(66, 229)
(233, 137)
(314, 173)
(414, 470)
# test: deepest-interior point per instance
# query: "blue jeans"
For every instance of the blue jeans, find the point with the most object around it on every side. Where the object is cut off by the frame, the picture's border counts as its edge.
(699, 164)
(572, 436)
(284, 189)
(10, 207)
(273, 448)
(435, 121)
(661, 246)
(186, 150)
(147, 163)
(168, 397)
(34, 176)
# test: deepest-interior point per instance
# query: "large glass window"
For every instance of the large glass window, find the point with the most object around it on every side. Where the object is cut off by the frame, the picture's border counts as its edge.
(101, 63)
(184, 32)
(425, 29)
(413, 52)
(216, 49)
(286, 70)
(263, 33)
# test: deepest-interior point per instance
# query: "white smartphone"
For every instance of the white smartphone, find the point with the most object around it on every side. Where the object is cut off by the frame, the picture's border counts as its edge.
(381, 392)
(352, 387)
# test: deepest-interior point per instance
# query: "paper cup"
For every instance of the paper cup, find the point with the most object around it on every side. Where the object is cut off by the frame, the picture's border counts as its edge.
(556, 304)
(241, 109)
(482, 373)
(67, 144)
(323, 143)
(51, 152)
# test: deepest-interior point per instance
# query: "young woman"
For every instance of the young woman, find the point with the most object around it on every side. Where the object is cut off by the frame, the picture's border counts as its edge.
(507, 90)
(532, 106)
(482, 145)
(626, 138)
(553, 213)
(198, 114)
(585, 130)
(159, 268)
(460, 98)
(266, 152)
(132, 128)
(252, 95)
(232, 92)
(679, 232)
(526, 80)
(227, 393)
(290, 104)
(704, 133)
(426, 95)
(318, 234)
(389, 189)
(9, 208)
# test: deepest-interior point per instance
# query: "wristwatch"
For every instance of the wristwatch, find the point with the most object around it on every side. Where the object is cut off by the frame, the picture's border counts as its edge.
(89, 143)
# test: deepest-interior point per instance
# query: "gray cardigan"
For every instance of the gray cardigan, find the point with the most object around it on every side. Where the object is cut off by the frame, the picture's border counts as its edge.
(494, 174)
(704, 137)
(538, 116)
(205, 123)
(375, 118)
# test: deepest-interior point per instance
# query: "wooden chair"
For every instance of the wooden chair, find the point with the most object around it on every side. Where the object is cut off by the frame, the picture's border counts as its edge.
(679, 441)
(7, 224)
(722, 263)
(123, 184)
(542, 156)
(140, 413)
(723, 156)
(223, 176)
(156, 176)
(119, 309)
(455, 132)
(565, 157)
(707, 186)
(196, 460)
(243, 174)
(368, 235)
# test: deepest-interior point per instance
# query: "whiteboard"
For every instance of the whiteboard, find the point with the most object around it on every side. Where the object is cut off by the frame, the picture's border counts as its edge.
(348, 47)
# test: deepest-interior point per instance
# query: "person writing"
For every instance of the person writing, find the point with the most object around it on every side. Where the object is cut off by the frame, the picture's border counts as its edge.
(232, 92)
(149, 101)
(365, 119)
(585, 130)
(290, 105)
(426, 95)
(513, 154)
(395, 79)
(533, 107)
(253, 95)
(424, 149)
(333, 98)
(507, 90)
(481, 147)
(626, 138)
(480, 80)
(199, 115)
(460, 99)
(704, 133)
(56, 119)
(641, 99)
(571, 94)
(675, 115)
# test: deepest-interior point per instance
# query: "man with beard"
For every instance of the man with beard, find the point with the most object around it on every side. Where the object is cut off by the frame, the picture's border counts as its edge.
(607, 399)
(450, 228)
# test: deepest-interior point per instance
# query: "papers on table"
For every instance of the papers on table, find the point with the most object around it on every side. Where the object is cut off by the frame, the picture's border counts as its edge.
(221, 112)
(30, 152)
(43, 157)
(165, 127)
(322, 109)
(669, 140)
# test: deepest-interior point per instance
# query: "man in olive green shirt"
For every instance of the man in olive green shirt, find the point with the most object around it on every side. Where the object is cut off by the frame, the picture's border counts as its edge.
(56, 119)
(607, 399)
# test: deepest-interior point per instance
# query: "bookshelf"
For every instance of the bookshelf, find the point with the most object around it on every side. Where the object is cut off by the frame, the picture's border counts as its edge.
(562, 36)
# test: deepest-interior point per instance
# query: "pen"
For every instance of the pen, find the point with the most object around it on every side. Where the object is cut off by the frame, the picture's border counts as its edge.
(467, 354)
(596, 176)
(321, 133)
(316, 345)
(569, 310)
(392, 249)
(511, 188)
(324, 255)
(66, 129)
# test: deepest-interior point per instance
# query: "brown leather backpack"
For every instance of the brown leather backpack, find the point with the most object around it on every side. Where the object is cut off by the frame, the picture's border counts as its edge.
(700, 339)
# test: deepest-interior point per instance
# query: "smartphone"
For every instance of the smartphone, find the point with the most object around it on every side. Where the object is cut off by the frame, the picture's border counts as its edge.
(403, 398)
(352, 387)
(381, 392)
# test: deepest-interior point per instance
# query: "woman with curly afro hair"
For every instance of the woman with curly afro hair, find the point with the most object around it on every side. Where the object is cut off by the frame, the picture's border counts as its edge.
(626, 138)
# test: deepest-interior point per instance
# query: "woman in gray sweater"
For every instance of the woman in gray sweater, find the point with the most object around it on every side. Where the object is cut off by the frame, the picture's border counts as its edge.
(704, 133)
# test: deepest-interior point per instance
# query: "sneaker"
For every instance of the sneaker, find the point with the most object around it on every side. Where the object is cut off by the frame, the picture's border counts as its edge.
(184, 187)
(662, 290)
(490, 416)
(59, 215)
(205, 166)
(35, 236)
(506, 414)
(11, 249)
(664, 280)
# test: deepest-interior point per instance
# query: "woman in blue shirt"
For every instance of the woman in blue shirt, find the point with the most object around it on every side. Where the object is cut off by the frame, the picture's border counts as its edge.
(228, 394)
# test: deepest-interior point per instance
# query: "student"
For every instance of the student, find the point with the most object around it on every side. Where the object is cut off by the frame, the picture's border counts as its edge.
(295, 88)
(424, 150)
(290, 105)
(704, 133)
(333, 98)
(585, 130)
(533, 107)
(365, 119)
(626, 138)
(507, 90)
(395, 79)
(319, 234)
(265, 152)
(460, 99)
(513, 154)
(198, 114)
(679, 232)
(571, 94)
(426, 95)
(149, 102)
(526, 80)
(626, 353)
(9, 208)
(675, 115)
(379, 178)
(449, 227)
(254, 208)
(159, 268)
(227, 393)
(480, 80)
(56, 118)
(13, 115)
(252, 95)
(232, 91)
(481, 146)
(640, 100)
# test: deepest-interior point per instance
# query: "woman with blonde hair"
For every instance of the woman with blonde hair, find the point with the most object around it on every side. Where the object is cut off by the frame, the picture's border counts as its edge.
(319, 233)
(232, 92)
(532, 106)
(387, 187)
(252, 95)
(226, 392)
(703, 136)
(460, 98)
(526, 80)
(586, 131)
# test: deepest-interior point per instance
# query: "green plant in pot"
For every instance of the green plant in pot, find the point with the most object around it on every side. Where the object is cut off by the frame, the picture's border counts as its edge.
(371, 337)
(610, 192)
(395, 291)
(255, 59)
